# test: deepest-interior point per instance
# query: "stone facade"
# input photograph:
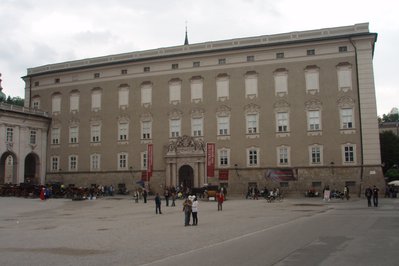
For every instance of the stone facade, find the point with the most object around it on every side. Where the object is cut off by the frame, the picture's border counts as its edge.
(289, 110)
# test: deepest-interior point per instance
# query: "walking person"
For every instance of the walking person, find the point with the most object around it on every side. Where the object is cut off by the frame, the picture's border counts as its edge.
(145, 195)
(173, 199)
(220, 199)
(187, 207)
(368, 193)
(375, 196)
(346, 192)
(194, 210)
(157, 204)
(166, 195)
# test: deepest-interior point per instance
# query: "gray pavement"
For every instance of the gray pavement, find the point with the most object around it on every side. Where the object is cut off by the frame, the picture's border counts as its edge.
(118, 231)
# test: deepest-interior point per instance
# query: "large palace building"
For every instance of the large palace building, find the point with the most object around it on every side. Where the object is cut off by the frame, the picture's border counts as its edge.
(293, 110)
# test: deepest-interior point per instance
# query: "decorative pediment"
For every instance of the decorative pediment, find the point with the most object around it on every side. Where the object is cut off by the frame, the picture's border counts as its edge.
(146, 116)
(197, 113)
(313, 104)
(123, 118)
(345, 102)
(223, 110)
(251, 108)
(175, 114)
(186, 144)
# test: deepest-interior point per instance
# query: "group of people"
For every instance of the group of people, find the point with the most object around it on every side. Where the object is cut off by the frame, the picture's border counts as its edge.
(372, 193)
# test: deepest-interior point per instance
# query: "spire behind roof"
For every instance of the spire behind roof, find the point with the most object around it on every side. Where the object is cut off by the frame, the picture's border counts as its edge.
(186, 39)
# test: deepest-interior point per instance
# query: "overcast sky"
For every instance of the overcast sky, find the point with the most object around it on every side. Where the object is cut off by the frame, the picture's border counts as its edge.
(40, 32)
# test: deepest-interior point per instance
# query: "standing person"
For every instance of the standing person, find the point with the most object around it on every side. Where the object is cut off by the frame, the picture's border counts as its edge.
(346, 192)
(326, 193)
(173, 198)
(368, 193)
(136, 196)
(43, 193)
(157, 204)
(145, 195)
(187, 207)
(375, 196)
(166, 194)
(194, 210)
(220, 199)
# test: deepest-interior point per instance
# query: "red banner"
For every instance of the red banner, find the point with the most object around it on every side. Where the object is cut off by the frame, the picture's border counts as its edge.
(149, 161)
(210, 159)
(223, 174)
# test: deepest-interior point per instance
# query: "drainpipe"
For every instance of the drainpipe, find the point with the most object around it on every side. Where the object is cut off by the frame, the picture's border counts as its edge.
(360, 119)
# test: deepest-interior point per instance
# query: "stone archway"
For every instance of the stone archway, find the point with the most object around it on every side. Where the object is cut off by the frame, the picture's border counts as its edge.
(8, 168)
(32, 167)
(186, 176)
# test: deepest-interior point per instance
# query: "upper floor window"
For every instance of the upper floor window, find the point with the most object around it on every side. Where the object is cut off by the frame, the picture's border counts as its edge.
(310, 52)
(281, 82)
(123, 96)
(283, 154)
(251, 85)
(222, 87)
(197, 125)
(223, 124)
(174, 91)
(96, 75)
(174, 128)
(349, 153)
(314, 120)
(222, 61)
(146, 94)
(74, 102)
(196, 64)
(57, 80)
(123, 131)
(55, 163)
(344, 72)
(124, 72)
(33, 137)
(122, 161)
(96, 99)
(9, 134)
(95, 160)
(252, 123)
(224, 157)
(312, 79)
(74, 134)
(346, 118)
(175, 66)
(56, 103)
(36, 102)
(146, 128)
(316, 154)
(279, 55)
(146, 69)
(196, 84)
(95, 132)
(37, 83)
(73, 163)
(343, 49)
(55, 136)
(282, 122)
(253, 157)
(250, 58)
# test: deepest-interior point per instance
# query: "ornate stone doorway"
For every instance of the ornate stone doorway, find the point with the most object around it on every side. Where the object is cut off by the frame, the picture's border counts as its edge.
(186, 176)
(185, 162)
(8, 168)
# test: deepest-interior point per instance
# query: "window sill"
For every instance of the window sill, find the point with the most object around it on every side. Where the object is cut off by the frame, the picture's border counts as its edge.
(223, 137)
(347, 131)
(315, 133)
(123, 142)
(252, 135)
(146, 141)
(282, 134)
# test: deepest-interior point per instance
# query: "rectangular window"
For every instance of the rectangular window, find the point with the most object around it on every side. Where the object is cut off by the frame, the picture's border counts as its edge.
(347, 118)
(56, 103)
(146, 129)
(36, 103)
(95, 132)
(122, 161)
(74, 102)
(95, 162)
(96, 75)
(174, 127)
(196, 64)
(123, 130)
(224, 155)
(222, 88)
(174, 92)
(279, 55)
(55, 136)
(96, 100)
(315, 154)
(146, 94)
(9, 134)
(124, 72)
(56, 80)
(252, 157)
(196, 90)
(55, 163)
(310, 52)
(283, 155)
(197, 126)
(349, 153)
(37, 83)
(222, 61)
(314, 120)
(252, 123)
(74, 135)
(123, 96)
(250, 58)
(312, 80)
(144, 161)
(175, 66)
(146, 69)
(342, 49)
(251, 86)
(282, 122)
(344, 78)
(281, 82)
(32, 137)
(223, 125)
(73, 163)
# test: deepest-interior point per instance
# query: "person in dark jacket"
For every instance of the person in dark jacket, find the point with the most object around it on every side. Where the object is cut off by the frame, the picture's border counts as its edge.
(375, 196)
(368, 193)
(157, 204)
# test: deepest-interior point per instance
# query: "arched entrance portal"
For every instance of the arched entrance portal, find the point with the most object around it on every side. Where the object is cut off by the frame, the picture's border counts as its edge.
(8, 168)
(32, 168)
(186, 176)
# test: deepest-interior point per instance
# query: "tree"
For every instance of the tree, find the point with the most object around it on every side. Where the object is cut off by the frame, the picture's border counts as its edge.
(389, 144)
(391, 117)
(14, 100)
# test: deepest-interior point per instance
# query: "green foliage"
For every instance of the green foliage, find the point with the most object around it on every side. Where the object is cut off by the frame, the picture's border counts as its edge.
(390, 118)
(389, 143)
(14, 100)
(392, 174)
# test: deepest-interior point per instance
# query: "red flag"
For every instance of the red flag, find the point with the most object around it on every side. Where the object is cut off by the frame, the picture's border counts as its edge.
(210, 159)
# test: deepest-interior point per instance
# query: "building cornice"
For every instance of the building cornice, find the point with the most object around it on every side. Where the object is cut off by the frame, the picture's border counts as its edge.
(353, 31)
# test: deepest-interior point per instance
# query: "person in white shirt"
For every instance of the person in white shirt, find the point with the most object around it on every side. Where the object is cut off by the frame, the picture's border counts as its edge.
(194, 211)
